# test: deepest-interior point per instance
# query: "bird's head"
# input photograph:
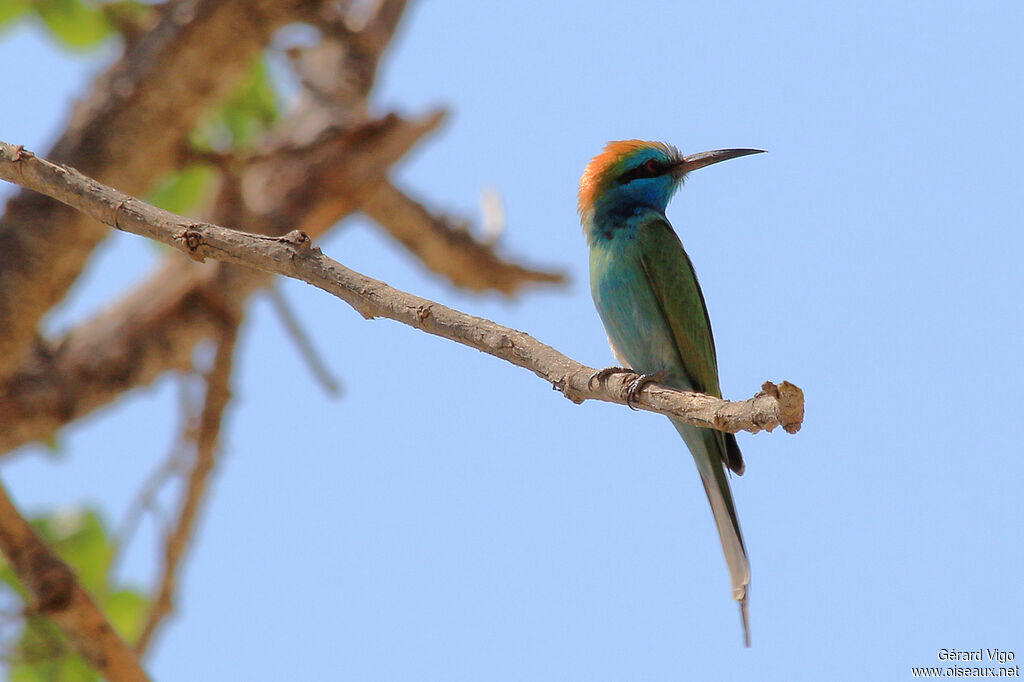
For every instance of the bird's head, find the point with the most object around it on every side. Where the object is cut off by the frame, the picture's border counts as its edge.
(632, 175)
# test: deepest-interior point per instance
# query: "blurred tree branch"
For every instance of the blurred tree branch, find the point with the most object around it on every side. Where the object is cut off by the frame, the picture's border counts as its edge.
(302, 342)
(56, 594)
(206, 439)
(143, 121)
(294, 256)
(127, 131)
(447, 249)
(320, 164)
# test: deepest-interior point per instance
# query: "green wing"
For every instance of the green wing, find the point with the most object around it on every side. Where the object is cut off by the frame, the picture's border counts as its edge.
(673, 280)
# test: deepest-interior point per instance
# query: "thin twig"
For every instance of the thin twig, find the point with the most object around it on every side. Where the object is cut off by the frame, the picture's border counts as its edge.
(173, 463)
(303, 343)
(294, 256)
(143, 501)
(218, 393)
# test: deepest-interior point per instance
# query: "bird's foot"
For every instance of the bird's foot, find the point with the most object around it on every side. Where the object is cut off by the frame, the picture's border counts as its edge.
(642, 380)
(601, 375)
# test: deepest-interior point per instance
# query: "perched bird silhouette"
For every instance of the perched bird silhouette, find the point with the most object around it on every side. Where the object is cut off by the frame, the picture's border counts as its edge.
(646, 292)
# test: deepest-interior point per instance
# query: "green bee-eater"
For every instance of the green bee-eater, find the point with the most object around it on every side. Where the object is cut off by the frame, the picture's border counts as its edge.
(646, 292)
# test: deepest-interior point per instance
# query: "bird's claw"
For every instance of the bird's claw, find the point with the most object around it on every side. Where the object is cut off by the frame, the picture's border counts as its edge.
(601, 375)
(637, 384)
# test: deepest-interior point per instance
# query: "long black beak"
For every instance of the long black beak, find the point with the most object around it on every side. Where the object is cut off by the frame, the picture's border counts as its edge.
(695, 161)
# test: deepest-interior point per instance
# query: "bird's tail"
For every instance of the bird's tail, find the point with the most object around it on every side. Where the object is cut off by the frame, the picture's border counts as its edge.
(709, 450)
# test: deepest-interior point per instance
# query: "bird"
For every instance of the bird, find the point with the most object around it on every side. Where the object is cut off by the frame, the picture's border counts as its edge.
(646, 293)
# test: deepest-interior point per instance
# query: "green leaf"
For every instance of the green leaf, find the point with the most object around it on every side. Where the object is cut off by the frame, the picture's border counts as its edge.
(11, 10)
(182, 191)
(127, 611)
(123, 15)
(73, 22)
(65, 668)
(11, 583)
(249, 111)
(43, 654)
(80, 539)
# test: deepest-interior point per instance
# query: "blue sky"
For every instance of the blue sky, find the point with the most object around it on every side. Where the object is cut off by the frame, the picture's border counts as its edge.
(453, 518)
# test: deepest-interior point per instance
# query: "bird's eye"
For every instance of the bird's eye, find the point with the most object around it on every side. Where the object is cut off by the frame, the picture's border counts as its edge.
(651, 168)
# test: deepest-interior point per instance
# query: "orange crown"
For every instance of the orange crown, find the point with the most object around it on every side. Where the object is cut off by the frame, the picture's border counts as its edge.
(608, 164)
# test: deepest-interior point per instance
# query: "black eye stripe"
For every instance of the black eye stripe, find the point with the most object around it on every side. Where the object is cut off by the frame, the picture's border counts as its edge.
(648, 169)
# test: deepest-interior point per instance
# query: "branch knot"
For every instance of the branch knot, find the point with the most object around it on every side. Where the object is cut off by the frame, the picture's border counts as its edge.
(53, 582)
(20, 153)
(193, 239)
(299, 240)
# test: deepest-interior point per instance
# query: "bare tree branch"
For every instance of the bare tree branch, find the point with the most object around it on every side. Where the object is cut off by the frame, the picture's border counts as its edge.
(128, 133)
(103, 358)
(446, 250)
(218, 393)
(339, 72)
(293, 256)
(56, 594)
(145, 500)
